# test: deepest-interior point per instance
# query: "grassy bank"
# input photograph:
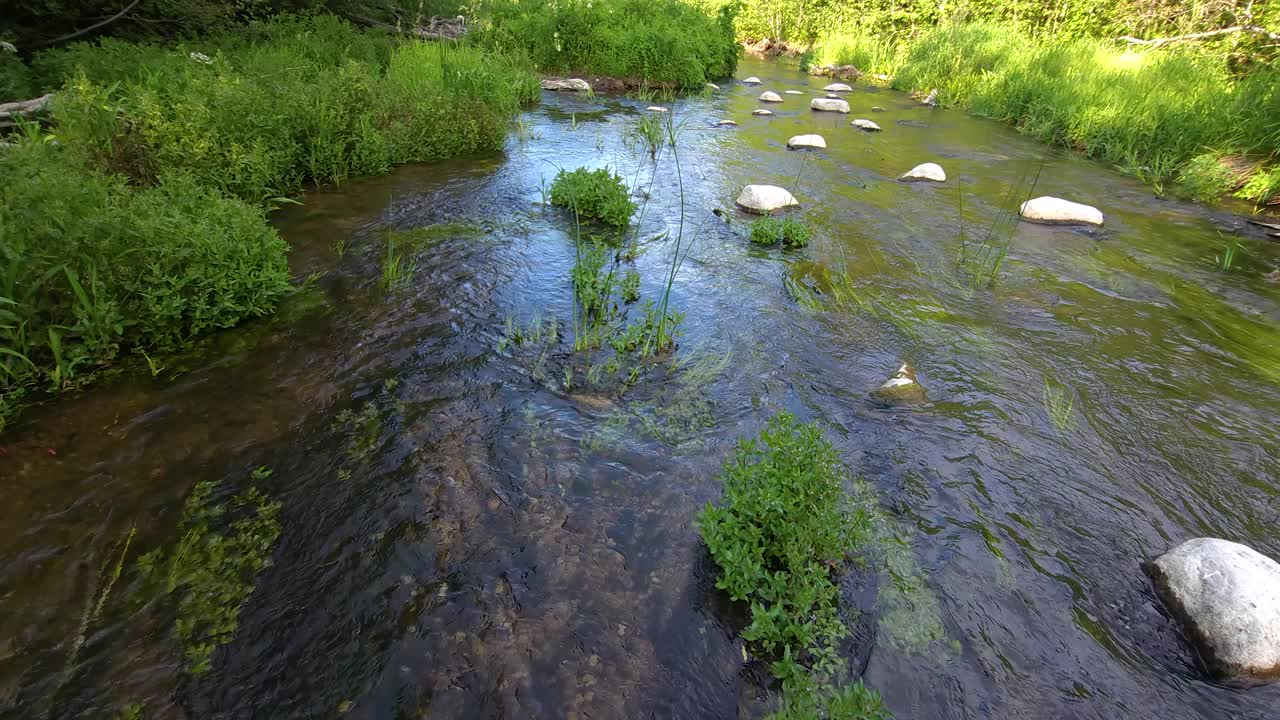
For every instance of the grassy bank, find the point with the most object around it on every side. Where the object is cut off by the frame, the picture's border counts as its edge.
(1174, 118)
(135, 219)
(643, 42)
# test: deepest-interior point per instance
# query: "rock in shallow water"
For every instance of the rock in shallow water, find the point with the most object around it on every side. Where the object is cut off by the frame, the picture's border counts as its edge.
(764, 198)
(753, 80)
(901, 387)
(1056, 211)
(838, 87)
(726, 123)
(793, 92)
(656, 109)
(807, 141)
(925, 171)
(829, 105)
(864, 124)
(566, 84)
(1227, 596)
(761, 111)
(770, 96)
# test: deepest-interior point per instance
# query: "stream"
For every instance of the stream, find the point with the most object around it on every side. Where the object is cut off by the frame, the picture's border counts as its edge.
(461, 537)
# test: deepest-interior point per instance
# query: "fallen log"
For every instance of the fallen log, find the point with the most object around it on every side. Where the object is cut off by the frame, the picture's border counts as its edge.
(437, 28)
(1160, 42)
(13, 112)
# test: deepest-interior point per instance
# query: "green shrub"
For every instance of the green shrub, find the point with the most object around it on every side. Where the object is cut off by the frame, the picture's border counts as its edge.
(90, 265)
(596, 194)
(630, 289)
(1205, 178)
(795, 234)
(851, 702)
(789, 231)
(15, 77)
(780, 533)
(655, 42)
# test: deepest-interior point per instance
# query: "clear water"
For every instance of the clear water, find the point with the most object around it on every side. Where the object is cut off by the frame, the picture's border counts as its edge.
(497, 547)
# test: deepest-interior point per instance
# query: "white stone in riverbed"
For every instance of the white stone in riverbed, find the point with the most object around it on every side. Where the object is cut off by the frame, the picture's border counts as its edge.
(876, 108)
(712, 86)
(831, 95)
(762, 199)
(753, 80)
(566, 84)
(867, 125)
(726, 123)
(1227, 596)
(656, 109)
(901, 387)
(1056, 211)
(838, 87)
(761, 111)
(792, 92)
(807, 141)
(925, 171)
(770, 96)
(829, 105)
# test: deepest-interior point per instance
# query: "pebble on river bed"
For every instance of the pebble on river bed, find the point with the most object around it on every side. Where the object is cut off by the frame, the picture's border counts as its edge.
(655, 108)
(761, 199)
(925, 171)
(1227, 596)
(770, 96)
(753, 80)
(807, 141)
(901, 388)
(761, 111)
(793, 92)
(726, 123)
(829, 105)
(864, 124)
(1056, 211)
(712, 86)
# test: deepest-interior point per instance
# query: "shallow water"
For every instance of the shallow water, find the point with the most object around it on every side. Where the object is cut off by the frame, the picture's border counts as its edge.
(480, 543)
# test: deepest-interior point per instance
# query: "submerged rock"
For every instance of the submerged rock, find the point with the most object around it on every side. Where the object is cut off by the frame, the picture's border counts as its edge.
(792, 92)
(925, 171)
(1227, 596)
(807, 141)
(753, 80)
(876, 108)
(1273, 276)
(656, 109)
(726, 123)
(566, 84)
(761, 111)
(762, 199)
(931, 99)
(863, 124)
(838, 87)
(770, 96)
(1056, 211)
(901, 387)
(829, 105)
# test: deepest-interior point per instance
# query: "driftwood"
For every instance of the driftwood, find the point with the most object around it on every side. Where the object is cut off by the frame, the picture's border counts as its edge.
(1160, 42)
(11, 113)
(437, 28)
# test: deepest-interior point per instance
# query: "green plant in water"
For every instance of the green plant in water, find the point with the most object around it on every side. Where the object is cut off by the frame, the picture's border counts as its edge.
(649, 132)
(364, 428)
(1060, 405)
(211, 570)
(1227, 258)
(630, 288)
(595, 194)
(850, 702)
(396, 269)
(766, 231)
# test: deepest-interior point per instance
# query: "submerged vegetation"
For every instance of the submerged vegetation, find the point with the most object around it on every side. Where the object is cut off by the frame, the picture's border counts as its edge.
(594, 194)
(790, 231)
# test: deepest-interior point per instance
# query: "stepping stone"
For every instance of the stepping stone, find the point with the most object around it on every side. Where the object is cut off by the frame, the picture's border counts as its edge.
(753, 80)
(1056, 211)
(792, 92)
(928, 171)
(829, 105)
(761, 111)
(807, 141)
(656, 109)
(761, 199)
(770, 96)
(867, 125)
(838, 87)
(726, 123)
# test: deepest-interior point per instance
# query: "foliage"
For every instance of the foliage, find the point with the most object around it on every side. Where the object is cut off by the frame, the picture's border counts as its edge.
(782, 529)
(596, 194)
(1060, 406)
(15, 77)
(90, 266)
(211, 570)
(645, 42)
(789, 231)
(1205, 178)
(850, 702)
(630, 288)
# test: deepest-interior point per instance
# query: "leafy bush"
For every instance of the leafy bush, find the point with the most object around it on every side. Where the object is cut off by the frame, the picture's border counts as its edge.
(15, 77)
(1205, 178)
(597, 194)
(654, 42)
(789, 231)
(630, 289)
(90, 265)
(851, 702)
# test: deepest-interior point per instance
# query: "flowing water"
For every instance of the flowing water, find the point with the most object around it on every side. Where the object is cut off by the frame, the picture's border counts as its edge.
(461, 537)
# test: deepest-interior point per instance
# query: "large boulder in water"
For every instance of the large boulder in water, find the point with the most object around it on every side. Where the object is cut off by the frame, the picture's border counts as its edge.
(807, 141)
(1056, 211)
(1227, 596)
(865, 124)
(829, 105)
(566, 84)
(770, 96)
(901, 387)
(932, 172)
(762, 199)
(838, 87)
(753, 80)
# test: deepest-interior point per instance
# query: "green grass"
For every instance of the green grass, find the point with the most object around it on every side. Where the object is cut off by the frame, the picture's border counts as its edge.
(594, 194)
(1059, 404)
(789, 231)
(666, 43)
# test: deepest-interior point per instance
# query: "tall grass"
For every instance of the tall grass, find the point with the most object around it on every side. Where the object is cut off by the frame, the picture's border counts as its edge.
(1149, 112)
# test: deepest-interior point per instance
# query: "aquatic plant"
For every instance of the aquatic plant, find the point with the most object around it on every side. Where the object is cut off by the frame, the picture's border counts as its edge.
(791, 232)
(363, 429)
(1060, 406)
(397, 270)
(855, 701)
(596, 194)
(630, 288)
(1227, 258)
(648, 132)
(981, 262)
(524, 131)
(210, 571)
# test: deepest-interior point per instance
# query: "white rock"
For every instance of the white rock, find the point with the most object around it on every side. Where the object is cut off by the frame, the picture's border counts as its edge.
(831, 95)
(762, 199)
(712, 86)
(753, 80)
(770, 96)
(726, 123)
(838, 87)
(656, 109)
(1056, 211)
(876, 108)
(566, 84)
(1227, 596)
(925, 171)
(829, 105)
(761, 111)
(866, 125)
(900, 387)
(807, 141)
(792, 92)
